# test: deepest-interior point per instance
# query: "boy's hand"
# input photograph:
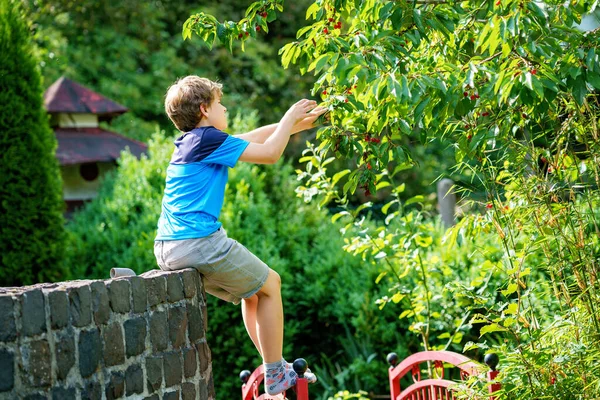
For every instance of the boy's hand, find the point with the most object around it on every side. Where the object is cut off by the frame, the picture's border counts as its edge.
(309, 121)
(299, 111)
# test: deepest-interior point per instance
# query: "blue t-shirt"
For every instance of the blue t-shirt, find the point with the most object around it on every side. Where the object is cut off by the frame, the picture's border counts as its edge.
(196, 179)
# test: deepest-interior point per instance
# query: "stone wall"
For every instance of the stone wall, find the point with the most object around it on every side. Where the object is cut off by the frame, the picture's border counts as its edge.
(139, 337)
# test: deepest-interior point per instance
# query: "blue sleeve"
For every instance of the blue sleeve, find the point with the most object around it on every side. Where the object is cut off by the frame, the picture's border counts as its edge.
(229, 150)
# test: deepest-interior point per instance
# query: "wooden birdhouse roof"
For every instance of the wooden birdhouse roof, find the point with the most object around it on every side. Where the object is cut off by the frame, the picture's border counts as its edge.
(86, 145)
(67, 96)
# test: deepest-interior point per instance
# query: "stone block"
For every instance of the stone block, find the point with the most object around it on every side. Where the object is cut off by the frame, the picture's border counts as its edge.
(157, 291)
(201, 291)
(135, 336)
(33, 313)
(202, 389)
(7, 370)
(139, 294)
(64, 349)
(195, 323)
(115, 388)
(114, 345)
(159, 333)
(203, 356)
(119, 294)
(174, 288)
(59, 309)
(190, 277)
(90, 352)
(80, 299)
(37, 363)
(190, 362)
(100, 303)
(188, 391)
(154, 373)
(177, 325)
(35, 396)
(134, 380)
(62, 393)
(8, 328)
(92, 391)
(211, 387)
(171, 395)
(172, 368)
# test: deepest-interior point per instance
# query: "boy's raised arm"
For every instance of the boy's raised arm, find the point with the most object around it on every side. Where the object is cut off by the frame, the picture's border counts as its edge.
(271, 150)
(260, 135)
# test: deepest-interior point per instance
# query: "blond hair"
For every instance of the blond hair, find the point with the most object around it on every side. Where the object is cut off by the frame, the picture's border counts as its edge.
(184, 98)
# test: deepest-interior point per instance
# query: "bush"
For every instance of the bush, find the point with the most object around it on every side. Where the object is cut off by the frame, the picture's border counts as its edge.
(32, 238)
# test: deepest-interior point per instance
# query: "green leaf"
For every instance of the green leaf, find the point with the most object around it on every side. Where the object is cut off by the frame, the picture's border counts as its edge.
(510, 289)
(380, 277)
(319, 63)
(491, 328)
(415, 199)
(339, 176)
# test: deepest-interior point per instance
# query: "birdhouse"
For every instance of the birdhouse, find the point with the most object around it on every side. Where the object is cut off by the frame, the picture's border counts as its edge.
(85, 151)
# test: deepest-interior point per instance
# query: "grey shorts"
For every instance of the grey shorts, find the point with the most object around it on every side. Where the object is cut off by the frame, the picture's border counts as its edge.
(231, 272)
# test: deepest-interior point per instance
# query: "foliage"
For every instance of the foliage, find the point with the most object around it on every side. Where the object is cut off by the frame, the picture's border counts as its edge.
(131, 52)
(32, 239)
(513, 86)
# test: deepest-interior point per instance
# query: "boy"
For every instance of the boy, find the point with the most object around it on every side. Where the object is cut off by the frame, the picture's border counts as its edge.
(189, 233)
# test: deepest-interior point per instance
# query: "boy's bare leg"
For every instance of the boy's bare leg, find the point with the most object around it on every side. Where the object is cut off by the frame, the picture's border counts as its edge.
(249, 307)
(269, 319)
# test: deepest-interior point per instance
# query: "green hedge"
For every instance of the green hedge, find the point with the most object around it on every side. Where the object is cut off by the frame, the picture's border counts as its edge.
(32, 237)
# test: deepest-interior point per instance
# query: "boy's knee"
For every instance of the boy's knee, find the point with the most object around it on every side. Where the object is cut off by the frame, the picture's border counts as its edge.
(272, 284)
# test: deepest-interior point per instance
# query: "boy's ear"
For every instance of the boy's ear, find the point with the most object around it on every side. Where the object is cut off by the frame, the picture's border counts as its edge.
(203, 110)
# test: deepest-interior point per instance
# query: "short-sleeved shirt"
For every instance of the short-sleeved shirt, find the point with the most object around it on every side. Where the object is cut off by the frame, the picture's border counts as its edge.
(195, 185)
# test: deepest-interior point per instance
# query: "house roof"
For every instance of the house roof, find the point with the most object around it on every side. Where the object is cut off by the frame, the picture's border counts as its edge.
(67, 96)
(84, 145)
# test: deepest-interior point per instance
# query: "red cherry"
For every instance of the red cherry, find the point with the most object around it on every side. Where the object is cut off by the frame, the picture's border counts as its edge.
(473, 97)
(240, 36)
(326, 31)
(485, 114)
(469, 137)
(258, 29)
(489, 205)
(534, 72)
(524, 115)
(465, 94)
(369, 166)
(330, 19)
(476, 96)
(264, 15)
(498, 2)
(375, 140)
(345, 100)
(367, 192)
(247, 34)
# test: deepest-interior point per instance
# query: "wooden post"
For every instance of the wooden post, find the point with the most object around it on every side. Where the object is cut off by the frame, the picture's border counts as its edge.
(446, 201)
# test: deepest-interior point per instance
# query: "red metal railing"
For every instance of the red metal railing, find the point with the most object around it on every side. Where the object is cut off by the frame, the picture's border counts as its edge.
(434, 388)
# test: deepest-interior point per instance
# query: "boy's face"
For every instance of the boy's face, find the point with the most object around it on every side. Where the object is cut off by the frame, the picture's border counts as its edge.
(215, 114)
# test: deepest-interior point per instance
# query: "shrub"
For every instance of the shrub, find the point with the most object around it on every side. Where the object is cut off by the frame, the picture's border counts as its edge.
(32, 238)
